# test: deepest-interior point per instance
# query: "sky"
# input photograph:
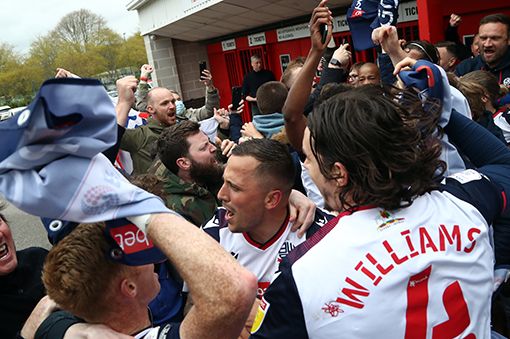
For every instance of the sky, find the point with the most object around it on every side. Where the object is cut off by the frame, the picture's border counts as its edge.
(24, 20)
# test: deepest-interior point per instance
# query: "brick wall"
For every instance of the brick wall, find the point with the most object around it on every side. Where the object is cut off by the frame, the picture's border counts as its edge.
(160, 53)
(188, 55)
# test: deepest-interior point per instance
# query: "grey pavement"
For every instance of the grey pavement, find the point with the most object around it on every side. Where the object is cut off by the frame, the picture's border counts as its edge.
(27, 229)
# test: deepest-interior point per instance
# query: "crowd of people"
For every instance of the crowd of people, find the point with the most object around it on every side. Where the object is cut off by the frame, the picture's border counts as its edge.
(372, 203)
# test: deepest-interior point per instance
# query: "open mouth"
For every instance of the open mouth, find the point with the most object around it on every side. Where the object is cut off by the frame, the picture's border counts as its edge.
(4, 251)
(229, 215)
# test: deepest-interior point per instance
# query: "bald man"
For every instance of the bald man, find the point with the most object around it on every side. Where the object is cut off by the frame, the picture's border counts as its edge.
(140, 142)
(368, 74)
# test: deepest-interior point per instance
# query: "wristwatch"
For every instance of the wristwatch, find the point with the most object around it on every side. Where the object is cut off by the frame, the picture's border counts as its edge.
(335, 62)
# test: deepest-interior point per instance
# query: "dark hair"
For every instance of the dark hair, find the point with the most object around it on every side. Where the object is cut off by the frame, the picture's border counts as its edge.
(450, 46)
(172, 144)
(497, 18)
(427, 50)
(389, 152)
(356, 66)
(271, 97)
(332, 89)
(275, 161)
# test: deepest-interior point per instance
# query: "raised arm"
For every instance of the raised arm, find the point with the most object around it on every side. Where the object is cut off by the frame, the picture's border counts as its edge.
(295, 121)
(223, 291)
(126, 87)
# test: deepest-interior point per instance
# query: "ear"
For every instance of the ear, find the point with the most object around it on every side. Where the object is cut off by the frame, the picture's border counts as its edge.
(339, 172)
(273, 198)
(128, 288)
(452, 61)
(183, 163)
(150, 109)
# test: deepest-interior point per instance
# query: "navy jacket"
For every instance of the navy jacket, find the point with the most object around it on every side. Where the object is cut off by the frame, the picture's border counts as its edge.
(501, 71)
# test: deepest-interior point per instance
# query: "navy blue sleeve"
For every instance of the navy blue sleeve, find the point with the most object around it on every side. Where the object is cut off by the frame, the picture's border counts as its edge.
(492, 158)
(484, 150)
(475, 189)
(386, 69)
(236, 123)
(329, 75)
(281, 312)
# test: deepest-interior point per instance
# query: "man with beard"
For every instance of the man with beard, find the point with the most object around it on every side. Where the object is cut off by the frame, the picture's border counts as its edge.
(189, 171)
(494, 55)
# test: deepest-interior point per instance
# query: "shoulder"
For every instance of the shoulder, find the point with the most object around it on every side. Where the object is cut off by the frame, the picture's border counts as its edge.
(469, 65)
(321, 218)
(32, 255)
(477, 190)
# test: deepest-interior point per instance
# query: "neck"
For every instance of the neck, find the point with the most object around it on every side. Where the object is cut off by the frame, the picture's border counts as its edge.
(129, 320)
(185, 176)
(270, 225)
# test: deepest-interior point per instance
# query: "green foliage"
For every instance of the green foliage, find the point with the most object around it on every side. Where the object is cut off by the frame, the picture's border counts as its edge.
(81, 43)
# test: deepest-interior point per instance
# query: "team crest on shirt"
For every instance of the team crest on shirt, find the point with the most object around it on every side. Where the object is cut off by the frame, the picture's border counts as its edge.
(385, 220)
(261, 314)
(285, 249)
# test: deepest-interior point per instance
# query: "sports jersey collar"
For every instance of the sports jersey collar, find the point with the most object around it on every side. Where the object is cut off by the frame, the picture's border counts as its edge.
(273, 239)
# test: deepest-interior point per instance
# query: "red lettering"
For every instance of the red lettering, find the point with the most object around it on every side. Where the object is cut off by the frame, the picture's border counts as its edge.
(470, 234)
(351, 293)
(426, 240)
(380, 268)
(368, 273)
(406, 234)
(394, 257)
(450, 237)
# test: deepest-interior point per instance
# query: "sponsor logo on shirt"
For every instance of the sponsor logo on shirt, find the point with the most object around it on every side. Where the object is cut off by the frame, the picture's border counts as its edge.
(358, 11)
(130, 238)
(262, 287)
(261, 314)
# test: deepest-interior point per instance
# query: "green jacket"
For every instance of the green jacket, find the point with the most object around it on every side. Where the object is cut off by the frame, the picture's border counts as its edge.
(212, 100)
(140, 142)
(192, 201)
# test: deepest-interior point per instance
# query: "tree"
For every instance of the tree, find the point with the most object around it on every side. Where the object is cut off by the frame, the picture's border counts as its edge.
(81, 29)
(132, 53)
(43, 54)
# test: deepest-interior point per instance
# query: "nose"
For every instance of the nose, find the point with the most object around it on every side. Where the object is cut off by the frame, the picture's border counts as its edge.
(222, 193)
